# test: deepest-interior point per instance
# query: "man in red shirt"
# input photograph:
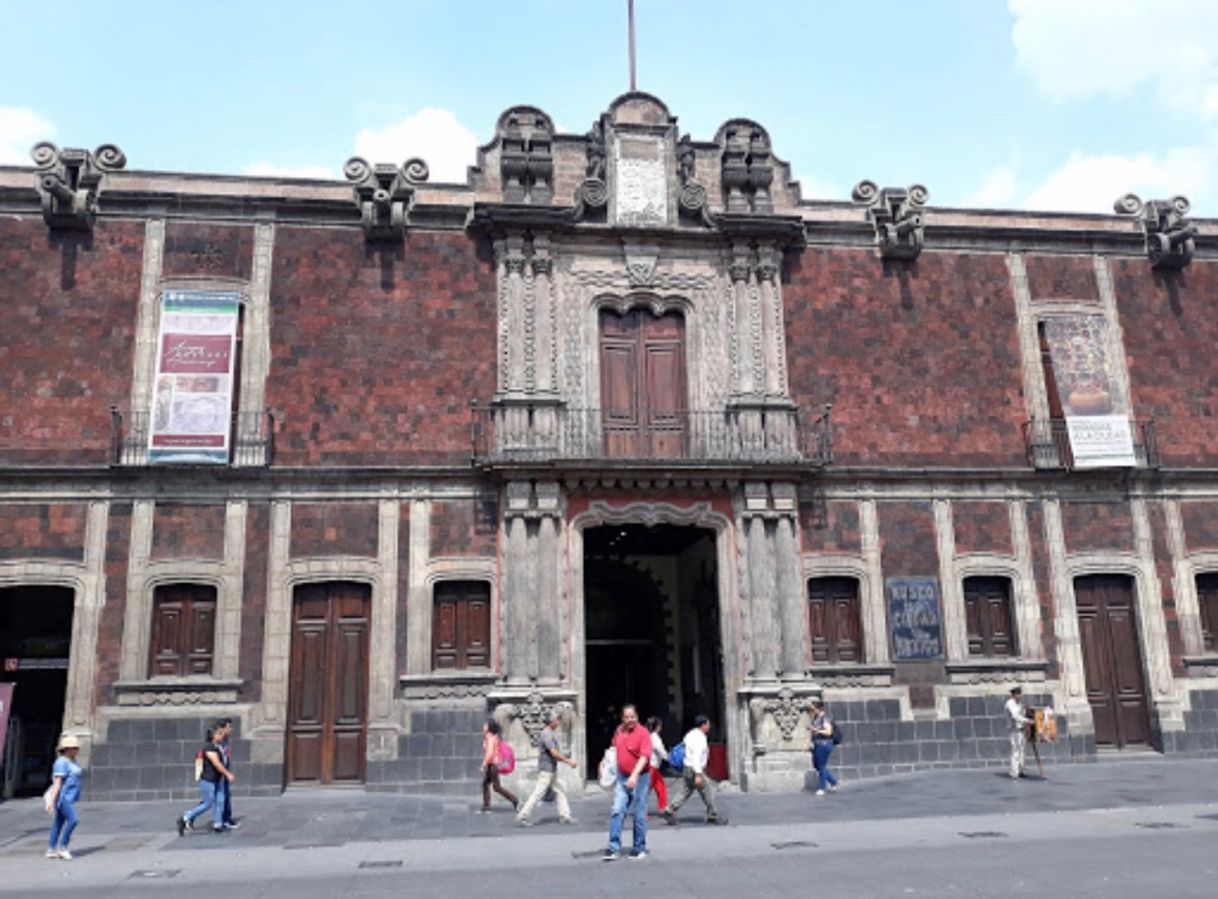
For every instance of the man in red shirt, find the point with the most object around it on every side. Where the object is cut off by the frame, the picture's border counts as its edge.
(632, 743)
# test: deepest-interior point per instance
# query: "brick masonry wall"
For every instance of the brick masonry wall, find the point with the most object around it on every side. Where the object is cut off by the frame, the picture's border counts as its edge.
(69, 301)
(377, 352)
(334, 529)
(830, 526)
(110, 622)
(1044, 588)
(183, 531)
(982, 527)
(1097, 526)
(43, 531)
(462, 528)
(1200, 525)
(1170, 332)
(921, 361)
(1061, 277)
(219, 251)
(253, 600)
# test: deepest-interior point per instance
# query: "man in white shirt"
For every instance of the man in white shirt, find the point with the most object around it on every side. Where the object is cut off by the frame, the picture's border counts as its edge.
(1017, 723)
(693, 776)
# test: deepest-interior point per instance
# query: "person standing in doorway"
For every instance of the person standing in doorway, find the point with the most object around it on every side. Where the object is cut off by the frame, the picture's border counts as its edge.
(226, 754)
(693, 776)
(62, 796)
(659, 755)
(632, 743)
(492, 737)
(1017, 728)
(547, 774)
(210, 792)
(822, 748)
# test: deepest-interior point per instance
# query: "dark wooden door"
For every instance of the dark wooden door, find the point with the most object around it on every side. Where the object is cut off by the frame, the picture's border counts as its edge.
(643, 396)
(833, 617)
(1116, 687)
(328, 694)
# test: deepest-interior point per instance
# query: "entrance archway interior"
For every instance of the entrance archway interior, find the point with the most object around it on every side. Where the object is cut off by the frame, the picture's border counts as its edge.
(35, 637)
(651, 614)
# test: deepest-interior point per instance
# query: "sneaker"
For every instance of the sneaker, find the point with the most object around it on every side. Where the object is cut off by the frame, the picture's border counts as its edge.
(220, 829)
(669, 817)
(65, 855)
(820, 792)
(233, 824)
(485, 810)
(610, 856)
(523, 822)
(190, 823)
(833, 788)
(639, 853)
(567, 821)
(722, 819)
(52, 853)
(182, 824)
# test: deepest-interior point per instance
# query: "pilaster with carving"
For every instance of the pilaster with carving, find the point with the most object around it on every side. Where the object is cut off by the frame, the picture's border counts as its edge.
(533, 625)
(772, 582)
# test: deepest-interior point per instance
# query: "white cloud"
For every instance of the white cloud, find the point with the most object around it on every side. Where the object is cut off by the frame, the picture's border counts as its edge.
(20, 129)
(436, 135)
(1090, 183)
(997, 191)
(271, 170)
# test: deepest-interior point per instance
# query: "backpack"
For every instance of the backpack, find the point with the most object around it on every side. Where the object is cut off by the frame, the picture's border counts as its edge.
(507, 758)
(676, 757)
(199, 765)
(837, 733)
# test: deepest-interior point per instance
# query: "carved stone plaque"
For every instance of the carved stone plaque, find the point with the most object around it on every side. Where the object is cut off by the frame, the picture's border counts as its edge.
(641, 180)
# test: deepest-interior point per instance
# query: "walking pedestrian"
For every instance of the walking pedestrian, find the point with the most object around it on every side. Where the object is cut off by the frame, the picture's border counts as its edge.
(61, 797)
(632, 744)
(693, 775)
(547, 774)
(226, 755)
(822, 748)
(491, 740)
(211, 795)
(659, 755)
(1017, 724)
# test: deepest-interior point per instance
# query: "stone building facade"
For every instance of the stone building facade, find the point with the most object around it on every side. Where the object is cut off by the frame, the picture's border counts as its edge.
(622, 417)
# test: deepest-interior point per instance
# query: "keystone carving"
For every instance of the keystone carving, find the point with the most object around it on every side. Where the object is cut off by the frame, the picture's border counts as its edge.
(748, 169)
(592, 195)
(691, 201)
(785, 710)
(384, 194)
(1169, 233)
(69, 181)
(897, 215)
(526, 161)
(530, 711)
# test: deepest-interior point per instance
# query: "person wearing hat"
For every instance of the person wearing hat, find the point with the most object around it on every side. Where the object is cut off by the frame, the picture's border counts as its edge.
(547, 773)
(61, 798)
(1017, 725)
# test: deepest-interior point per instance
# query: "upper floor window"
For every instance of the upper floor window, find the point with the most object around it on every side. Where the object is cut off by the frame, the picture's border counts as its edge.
(183, 630)
(461, 625)
(987, 610)
(1207, 599)
(834, 620)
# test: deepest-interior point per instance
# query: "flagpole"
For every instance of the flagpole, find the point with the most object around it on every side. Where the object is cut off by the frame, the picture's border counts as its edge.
(630, 20)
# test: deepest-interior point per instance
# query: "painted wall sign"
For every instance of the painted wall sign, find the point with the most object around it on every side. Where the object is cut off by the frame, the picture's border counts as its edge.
(914, 620)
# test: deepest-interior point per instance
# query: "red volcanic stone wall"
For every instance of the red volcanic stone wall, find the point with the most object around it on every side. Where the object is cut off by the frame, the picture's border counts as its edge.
(222, 251)
(184, 531)
(920, 360)
(1200, 525)
(110, 622)
(377, 351)
(253, 599)
(463, 527)
(334, 529)
(1095, 526)
(907, 539)
(43, 531)
(1044, 585)
(69, 307)
(1061, 277)
(1163, 568)
(830, 526)
(982, 527)
(1170, 332)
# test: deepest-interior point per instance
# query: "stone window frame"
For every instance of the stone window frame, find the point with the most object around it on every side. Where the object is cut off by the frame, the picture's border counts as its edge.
(1188, 605)
(160, 596)
(442, 568)
(433, 581)
(873, 615)
(986, 652)
(858, 611)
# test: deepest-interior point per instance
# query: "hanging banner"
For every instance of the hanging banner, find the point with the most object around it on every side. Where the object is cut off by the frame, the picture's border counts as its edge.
(1097, 414)
(6, 706)
(196, 355)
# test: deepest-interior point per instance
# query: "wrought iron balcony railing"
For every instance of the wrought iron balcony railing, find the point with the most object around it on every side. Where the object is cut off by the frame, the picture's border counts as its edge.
(251, 441)
(525, 433)
(1048, 443)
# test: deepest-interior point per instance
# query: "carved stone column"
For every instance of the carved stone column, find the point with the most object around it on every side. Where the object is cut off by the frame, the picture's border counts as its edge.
(532, 606)
(759, 562)
(549, 624)
(517, 636)
(768, 259)
(788, 583)
(740, 269)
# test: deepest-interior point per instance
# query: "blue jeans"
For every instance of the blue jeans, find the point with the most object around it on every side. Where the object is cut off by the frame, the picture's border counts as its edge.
(820, 761)
(66, 820)
(211, 796)
(623, 797)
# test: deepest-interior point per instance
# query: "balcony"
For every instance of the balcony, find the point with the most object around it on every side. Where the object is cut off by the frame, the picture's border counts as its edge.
(1048, 444)
(507, 434)
(251, 440)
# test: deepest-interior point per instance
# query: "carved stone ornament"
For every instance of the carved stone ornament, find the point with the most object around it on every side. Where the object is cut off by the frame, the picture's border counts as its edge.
(592, 195)
(383, 194)
(896, 213)
(641, 263)
(748, 168)
(69, 181)
(691, 201)
(1169, 233)
(531, 711)
(786, 710)
(526, 162)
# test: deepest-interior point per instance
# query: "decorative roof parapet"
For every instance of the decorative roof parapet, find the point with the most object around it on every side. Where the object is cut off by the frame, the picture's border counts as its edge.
(747, 167)
(384, 194)
(69, 182)
(1169, 233)
(896, 214)
(526, 161)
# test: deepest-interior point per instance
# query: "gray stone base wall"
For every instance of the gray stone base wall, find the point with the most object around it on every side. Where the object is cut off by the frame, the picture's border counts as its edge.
(442, 755)
(1200, 734)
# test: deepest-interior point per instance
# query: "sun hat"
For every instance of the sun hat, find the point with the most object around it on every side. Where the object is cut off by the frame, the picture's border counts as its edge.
(67, 741)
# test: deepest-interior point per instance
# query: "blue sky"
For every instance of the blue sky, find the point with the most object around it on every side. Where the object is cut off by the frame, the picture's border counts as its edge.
(1042, 104)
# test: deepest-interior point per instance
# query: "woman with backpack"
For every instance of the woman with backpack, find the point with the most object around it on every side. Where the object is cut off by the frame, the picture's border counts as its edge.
(214, 778)
(492, 755)
(822, 748)
(60, 799)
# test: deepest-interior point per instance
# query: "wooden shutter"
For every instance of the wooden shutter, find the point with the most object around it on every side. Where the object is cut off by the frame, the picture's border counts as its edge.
(834, 620)
(461, 625)
(987, 612)
(183, 630)
(643, 390)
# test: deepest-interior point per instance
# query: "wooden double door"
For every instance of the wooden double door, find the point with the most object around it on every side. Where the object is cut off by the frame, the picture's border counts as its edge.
(328, 689)
(643, 388)
(1116, 687)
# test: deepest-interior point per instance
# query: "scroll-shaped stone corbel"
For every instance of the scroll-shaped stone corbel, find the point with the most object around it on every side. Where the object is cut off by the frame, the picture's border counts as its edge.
(592, 195)
(69, 182)
(691, 201)
(383, 194)
(896, 213)
(1169, 233)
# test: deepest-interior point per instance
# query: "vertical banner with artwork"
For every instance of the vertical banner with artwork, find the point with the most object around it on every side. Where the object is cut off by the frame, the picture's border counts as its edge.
(196, 356)
(1097, 414)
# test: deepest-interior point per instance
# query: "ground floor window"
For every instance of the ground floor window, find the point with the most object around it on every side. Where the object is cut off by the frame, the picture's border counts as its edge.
(1207, 599)
(461, 625)
(183, 630)
(834, 620)
(987, 612)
